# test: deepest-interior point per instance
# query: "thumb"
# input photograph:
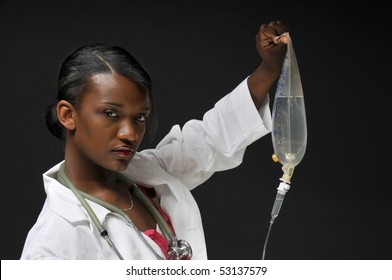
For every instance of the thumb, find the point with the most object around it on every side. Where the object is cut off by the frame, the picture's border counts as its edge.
(281, 48)
(282, 38)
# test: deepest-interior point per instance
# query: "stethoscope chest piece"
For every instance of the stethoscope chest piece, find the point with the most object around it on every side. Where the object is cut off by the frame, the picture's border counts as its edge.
(180, 250)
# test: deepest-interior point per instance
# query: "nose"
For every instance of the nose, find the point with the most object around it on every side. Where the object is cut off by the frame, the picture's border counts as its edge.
(128, 130)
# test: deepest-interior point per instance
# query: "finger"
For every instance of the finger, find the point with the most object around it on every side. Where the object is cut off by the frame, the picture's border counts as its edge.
(273, 29)
(270, 34)
(279, 26)
(283, 38)
(268, 30)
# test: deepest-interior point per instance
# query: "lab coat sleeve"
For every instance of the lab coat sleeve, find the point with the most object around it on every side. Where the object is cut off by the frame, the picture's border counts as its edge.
(215, 143)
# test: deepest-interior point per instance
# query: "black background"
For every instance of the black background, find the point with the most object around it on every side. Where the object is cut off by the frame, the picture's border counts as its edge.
(196, 52)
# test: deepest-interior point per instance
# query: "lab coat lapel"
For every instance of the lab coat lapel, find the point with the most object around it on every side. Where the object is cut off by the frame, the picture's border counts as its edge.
(175, 199)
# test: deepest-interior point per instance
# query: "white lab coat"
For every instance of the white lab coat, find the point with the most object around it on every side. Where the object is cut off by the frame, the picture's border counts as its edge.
(184, 159)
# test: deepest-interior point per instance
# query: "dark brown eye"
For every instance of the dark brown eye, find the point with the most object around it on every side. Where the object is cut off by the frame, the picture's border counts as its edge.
(141, 118)
(111, 114)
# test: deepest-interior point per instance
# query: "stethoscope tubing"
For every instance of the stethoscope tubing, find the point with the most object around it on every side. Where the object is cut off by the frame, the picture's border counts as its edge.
(116, 212)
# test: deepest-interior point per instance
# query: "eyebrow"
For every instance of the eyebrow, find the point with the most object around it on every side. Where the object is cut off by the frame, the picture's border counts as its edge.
(121, 105)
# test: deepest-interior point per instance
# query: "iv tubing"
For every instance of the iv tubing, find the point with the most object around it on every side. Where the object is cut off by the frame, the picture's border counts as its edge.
(282, 189)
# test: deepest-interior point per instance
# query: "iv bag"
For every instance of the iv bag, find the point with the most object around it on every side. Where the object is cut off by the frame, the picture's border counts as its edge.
(289, 132)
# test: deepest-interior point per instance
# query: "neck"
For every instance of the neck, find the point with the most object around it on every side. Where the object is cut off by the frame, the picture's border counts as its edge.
(89, 177)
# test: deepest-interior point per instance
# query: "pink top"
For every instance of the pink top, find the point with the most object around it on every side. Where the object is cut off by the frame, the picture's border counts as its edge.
(157, 237)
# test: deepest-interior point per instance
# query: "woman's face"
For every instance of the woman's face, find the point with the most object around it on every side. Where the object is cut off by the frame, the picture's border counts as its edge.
(110, 121)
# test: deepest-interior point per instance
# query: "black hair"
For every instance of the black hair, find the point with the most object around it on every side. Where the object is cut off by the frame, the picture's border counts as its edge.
(79, 67)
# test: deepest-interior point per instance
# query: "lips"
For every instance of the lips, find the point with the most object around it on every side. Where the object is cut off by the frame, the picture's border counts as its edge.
(123, 151)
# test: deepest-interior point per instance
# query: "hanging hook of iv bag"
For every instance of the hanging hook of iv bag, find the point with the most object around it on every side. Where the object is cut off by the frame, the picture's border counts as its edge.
(289, 132)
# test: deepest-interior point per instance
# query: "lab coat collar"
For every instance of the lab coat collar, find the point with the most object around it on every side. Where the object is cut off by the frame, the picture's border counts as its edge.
(175, 199)
(62, 201)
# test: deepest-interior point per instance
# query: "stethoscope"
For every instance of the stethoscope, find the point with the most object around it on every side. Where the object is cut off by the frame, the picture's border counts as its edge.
(178, 249)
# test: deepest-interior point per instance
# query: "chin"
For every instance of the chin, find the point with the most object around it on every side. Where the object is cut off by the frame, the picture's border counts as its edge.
(121, 165)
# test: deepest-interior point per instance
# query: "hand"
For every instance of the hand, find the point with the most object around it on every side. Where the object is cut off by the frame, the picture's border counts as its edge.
(271, 44)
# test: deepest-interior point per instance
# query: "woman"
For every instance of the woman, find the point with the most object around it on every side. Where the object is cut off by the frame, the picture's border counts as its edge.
(106, 200)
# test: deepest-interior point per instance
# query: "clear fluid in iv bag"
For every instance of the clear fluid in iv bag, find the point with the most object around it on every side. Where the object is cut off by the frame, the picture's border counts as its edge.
(289, 129)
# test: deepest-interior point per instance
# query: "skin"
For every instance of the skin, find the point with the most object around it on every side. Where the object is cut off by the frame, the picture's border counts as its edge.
(104, 133)
(272, 55)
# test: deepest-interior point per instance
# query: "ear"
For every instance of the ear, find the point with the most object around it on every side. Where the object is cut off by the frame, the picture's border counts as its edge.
(66, 113)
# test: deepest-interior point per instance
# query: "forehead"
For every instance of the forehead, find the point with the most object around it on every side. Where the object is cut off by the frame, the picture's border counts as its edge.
(111, 87)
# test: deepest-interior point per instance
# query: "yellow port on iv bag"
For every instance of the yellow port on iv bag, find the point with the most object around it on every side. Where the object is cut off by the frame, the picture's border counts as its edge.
(289, 130)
